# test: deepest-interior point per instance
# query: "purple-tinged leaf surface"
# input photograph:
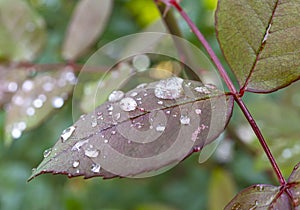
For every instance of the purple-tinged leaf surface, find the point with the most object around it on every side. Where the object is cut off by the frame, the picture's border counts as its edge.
(22, 31)
(142, 131)
(260, 40)
(262, 196)
(35, 100)
(88, 21)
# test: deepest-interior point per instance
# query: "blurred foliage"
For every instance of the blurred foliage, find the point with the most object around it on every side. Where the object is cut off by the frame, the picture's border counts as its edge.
(184, 187)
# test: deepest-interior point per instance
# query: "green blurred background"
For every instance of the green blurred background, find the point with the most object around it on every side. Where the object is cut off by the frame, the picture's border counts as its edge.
(237, 163)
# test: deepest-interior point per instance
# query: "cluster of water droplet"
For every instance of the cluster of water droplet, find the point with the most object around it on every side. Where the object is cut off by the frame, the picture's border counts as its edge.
(39, 94)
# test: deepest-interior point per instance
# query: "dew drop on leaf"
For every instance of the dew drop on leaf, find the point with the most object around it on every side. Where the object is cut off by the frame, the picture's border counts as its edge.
(16, 133)
(115, 96)
(160, 128)
(79, 144)
(92, 153)
(170, 88)
(37, 103)
(198, 111)
(96, 168)
(75, 163)
(67, 133)
(128, 104)
(30, 111)
(203, 90)
(27, 86)
(57, 102)
(184, 120)
(47, 152)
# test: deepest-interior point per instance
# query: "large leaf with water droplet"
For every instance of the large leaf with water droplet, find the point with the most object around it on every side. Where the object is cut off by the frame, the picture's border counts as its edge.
(262, 196)
(151, 127)
(261, 45)
(35, 100)
(87, 23)
(22, 31)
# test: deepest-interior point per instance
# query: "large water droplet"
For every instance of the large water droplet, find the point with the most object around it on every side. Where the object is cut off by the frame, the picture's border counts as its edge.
(198, 111)
(27, 86)
(170, 88)
(203, 90)
(79, 144)
(67, 133)
(185, 120)
(95, 168)
(128, 104)
(47, 152)
(12, 87)
(160, 128)
(75, 163)
(92, 153)
(115, 96)
(37, 103)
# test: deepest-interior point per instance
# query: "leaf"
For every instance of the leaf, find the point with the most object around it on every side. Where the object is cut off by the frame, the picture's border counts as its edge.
(37, 98)
(22, 31)
(87, 23)
(150, 127)
(262, 44)
(263, 196)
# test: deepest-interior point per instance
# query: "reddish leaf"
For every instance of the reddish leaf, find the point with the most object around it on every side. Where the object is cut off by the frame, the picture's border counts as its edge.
(87, 23)
(148, 128)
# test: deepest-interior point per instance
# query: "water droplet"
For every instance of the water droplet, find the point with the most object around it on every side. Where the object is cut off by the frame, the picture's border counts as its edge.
(95, 168)
(30, 111)
(12, 87)
(79, 144)
(286, 153)
(113, 132)
(47, 152)
(184, 120)
(105, 141)
(141, 62)
(143, 85)
(67, 133)
(160, 102)
(115, 96)
(18, 100)
(260, 188)
(133, 94)
(27, 86)
(21, 125)
(16, 133)
(75, 163)
(202, 90)
(198, 111)
(128, 104)
(57, 102)
(170, 88)
(42, 97)
(160, 128)
(37, 103)
(168, 112)
(92, 153)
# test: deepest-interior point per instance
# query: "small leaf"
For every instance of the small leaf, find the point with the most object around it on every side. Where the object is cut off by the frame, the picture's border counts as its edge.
(87, 23)
(262, 45)
(148, 128)
(35, 100)
(22, 31)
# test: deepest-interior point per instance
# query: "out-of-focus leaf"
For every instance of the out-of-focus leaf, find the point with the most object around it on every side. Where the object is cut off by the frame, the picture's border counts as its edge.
(22, 31)
(221, 190)
(262, 45)
(10, 81)
(96, 93)
(87, 23)
(37, 98)
(148, 128)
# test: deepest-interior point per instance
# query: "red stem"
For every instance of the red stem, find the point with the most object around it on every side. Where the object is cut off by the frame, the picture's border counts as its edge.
(235, 93)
